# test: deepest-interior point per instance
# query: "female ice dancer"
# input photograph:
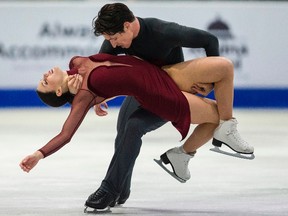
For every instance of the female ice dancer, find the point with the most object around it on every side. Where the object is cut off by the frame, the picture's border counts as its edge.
(157, 90)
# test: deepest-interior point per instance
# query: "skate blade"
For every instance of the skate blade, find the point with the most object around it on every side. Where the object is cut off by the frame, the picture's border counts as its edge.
(238, 155)
(89, 210)
(118, 205)
(160, 163)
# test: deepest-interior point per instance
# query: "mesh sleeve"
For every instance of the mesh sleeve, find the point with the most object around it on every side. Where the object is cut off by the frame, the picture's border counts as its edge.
(82, 102)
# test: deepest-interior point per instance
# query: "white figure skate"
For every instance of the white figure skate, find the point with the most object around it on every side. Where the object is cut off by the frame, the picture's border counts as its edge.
(179, 163)
(226, 133)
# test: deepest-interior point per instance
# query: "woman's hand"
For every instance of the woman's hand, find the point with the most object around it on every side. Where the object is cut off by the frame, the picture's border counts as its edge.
(30, 161)
(202, 88)
(74, 83)
(99, 110)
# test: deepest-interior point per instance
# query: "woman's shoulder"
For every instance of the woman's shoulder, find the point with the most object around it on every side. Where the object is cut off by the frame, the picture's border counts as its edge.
(76, 61)
(100, 57)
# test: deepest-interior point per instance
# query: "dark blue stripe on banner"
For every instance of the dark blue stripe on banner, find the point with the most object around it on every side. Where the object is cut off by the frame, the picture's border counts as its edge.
(244, 98)
(28, 98)
(267, 98)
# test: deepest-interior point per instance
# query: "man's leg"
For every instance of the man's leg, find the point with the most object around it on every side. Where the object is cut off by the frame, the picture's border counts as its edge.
(133, 123)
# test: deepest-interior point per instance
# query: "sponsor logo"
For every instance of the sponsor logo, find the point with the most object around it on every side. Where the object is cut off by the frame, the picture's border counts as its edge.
(230, 45)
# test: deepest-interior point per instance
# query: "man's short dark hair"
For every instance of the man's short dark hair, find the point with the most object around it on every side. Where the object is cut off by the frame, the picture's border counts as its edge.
(51, 99)
(111, 19)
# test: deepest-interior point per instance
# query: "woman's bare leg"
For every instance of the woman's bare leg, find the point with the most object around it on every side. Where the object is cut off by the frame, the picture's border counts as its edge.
(200, 135)
(217, 70)
(203, 112)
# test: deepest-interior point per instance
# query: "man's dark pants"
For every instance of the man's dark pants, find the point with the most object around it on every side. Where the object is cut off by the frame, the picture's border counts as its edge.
(133, 123)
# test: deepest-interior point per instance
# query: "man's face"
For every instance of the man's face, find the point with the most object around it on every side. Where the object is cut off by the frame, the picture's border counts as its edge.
(121, 39)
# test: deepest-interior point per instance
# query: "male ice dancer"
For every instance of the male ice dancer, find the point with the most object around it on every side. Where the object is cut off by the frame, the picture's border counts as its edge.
(159, 42)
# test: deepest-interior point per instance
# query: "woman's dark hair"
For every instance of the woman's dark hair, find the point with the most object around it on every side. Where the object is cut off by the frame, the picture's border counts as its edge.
(51, 99)
(111, 18)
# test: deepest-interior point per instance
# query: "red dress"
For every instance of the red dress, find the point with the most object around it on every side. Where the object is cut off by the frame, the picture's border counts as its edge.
(150, 85)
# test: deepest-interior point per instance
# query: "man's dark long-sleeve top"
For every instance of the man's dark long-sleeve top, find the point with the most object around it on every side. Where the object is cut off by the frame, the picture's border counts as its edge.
(160, 42)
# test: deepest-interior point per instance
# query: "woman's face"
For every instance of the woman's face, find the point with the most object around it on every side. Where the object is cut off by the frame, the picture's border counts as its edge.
(51, 80)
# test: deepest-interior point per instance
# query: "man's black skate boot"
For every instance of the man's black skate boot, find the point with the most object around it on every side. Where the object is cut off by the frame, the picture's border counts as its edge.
(100, 199)
(123, 197)
(120, 200)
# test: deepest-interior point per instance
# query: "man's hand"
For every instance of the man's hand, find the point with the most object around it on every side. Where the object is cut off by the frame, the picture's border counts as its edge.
(30, 161)
(99, 110)
(74, 83)
(202, 88)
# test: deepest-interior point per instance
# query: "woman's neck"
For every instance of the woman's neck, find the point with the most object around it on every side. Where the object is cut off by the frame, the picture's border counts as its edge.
(64, 85)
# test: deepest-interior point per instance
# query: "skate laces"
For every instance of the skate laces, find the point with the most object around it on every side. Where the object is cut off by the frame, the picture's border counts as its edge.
(97, 194)
(186, 162)
(236, 136)
(186, 159)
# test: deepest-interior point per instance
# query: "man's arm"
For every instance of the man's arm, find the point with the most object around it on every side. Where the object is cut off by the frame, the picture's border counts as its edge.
(190, 37)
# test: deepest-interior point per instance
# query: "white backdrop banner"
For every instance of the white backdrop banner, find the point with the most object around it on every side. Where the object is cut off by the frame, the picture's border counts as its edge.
(37, 36)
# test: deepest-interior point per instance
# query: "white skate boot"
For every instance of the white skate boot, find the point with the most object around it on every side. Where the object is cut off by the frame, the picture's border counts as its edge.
(179, 161)
(226, 133)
